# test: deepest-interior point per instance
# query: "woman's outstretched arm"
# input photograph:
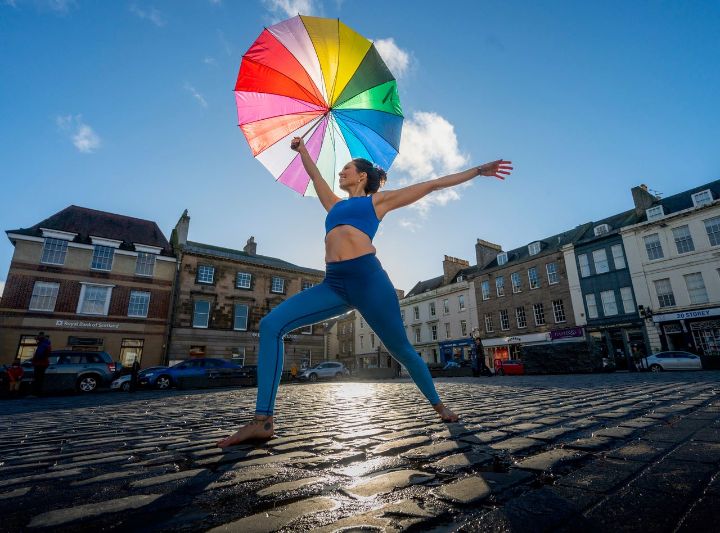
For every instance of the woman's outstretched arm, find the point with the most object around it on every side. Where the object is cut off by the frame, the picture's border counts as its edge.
(327, 197)
(389, 200)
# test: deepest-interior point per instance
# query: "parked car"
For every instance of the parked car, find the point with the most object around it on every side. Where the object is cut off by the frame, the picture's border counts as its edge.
(123, 382)
(673, 361)
(74, 370)
(249, 375)
(326, 370)
(192, 368)
(509, 367)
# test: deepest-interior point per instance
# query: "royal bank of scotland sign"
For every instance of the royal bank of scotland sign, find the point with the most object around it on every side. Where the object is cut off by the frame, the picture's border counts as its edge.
(86, 324)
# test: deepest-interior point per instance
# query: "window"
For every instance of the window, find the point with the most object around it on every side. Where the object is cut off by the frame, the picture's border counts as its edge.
(372, 340)
(362, 339)
(534, 248)
(54, 251)
(402, 316)
(683, 240)
(26, 348)
(539, 312)
(702, 198)
(552, 273)
(306, 285)
(417, 335)
(584, 265)
(416, 312)
(278, 285)
(343, 330)
(608, 302)
(488, 323)
(500, 285)
(504, 320)
(463, 328)
(139, 304)
(601, 229)
(240, 320)
(44, 296)
(628, 301)
(145, 265)
(559, 311)
(447, 330)
(618, 256)
(520, 317)
(102, 258)
(432, 308)
(591, 306)
(664, 291)
(238, 355)
(601, 261)
(485, 290)
(131, 351)
(502, 258)
(653, 247)
(243, 280)
(712, 226)
(655, 213)
(516, 283)
(201, 314)
(94, 299)
(533, 278)
(205, 274)
(446, 306)
(696, 288)
(433, 332)
(461, 302)
(362, 322)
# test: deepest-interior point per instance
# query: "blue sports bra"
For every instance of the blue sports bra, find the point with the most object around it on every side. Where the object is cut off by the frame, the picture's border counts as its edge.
(357, 212)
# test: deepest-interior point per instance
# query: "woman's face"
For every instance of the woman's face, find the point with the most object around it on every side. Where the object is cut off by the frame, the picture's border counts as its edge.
(350, 177)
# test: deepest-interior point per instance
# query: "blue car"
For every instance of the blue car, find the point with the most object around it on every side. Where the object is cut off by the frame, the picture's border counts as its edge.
(187, 370)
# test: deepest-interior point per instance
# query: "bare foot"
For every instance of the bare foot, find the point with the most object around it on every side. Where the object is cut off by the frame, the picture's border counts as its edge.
(446, 414)
(260, 428)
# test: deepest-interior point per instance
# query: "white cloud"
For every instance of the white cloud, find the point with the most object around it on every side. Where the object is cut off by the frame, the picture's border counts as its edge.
(396, 59)
(209, 60)
(82, 135)
(10, 3)
(291, 8)
(199, 97)
(429, 148)
(151, 14)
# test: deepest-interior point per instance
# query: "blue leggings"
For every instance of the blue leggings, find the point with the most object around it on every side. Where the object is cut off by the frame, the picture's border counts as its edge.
(359, 283)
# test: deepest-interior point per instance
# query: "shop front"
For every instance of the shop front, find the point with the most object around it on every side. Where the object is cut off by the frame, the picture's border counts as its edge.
(505, 348)
(457, 350)
(696, 331)
(624, 344)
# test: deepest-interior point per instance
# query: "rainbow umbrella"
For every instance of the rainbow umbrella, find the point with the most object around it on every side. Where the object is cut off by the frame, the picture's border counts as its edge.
(317, 77)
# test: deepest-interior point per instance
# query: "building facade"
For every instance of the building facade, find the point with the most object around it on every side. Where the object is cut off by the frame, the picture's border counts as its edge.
(90, 280)
(221, 296)
(345, 329)
(673, 254)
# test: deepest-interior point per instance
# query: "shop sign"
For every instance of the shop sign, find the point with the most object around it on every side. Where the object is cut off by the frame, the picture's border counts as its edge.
(84, 324)
(672, 328)
(701, 313)
(512, 340)
(566, 333)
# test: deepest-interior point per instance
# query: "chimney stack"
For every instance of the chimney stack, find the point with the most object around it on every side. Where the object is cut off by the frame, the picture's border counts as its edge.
(451, 266)
(642, 199)
(485, 252)
(179, 234)
(250, 246)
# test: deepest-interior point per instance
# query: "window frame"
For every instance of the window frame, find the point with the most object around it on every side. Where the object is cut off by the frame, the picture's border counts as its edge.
(501, 258)
(82, 298)
(520, 313)
(485, 289)
(140, 262)
(627, 291)
(691, 291)
(146, 307)
(683, 241)
(609, 302)
(504, 320)
(500, 285)
(47, 252)
(584, 265)
(247, 316)
(600, 264)
(665, 298)
(534, 248)
(654, 245)
(461, 302)
(195, 313)
(489, 326)
(592, 310)
(712, 229)
(697, 202)
(554, 274)
(102, 253)
(199, 278)
(539, 314)
(241, 274)
(44, 285)
(516, 288)
(621, 255)
(273, 281)
(655, 213)
(559, 310)
(530, 279)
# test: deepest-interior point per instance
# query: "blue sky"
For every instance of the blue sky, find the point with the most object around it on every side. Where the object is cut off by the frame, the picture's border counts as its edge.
(128, 107)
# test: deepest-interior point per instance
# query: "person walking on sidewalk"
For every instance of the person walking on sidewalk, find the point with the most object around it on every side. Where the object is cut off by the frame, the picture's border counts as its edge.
(354, 279)
(40, 362)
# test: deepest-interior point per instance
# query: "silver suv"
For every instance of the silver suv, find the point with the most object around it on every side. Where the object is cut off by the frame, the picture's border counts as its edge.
(80, 371)
(327, 370)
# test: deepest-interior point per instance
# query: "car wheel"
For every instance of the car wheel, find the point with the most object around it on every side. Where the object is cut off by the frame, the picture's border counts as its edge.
(656, 368)
(313, 377)
(87, 383)
(125, 386)
(163, 383)
(500, 372)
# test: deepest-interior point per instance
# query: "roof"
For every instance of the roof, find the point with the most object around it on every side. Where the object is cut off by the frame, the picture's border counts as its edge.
(683, 200)
(86, 222)
(425, 286)
(239, 255)
(626, 218)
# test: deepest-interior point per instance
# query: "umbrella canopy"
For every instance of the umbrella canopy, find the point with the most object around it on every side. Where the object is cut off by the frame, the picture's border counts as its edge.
(317, 77)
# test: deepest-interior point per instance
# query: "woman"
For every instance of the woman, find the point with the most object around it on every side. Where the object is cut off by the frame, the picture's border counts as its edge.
(354, 279)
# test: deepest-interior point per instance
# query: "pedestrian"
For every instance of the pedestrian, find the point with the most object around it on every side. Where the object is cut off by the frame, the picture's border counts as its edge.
(293, 372)
(354, 279)
(15, 374)
(134, 371)
(40, 362)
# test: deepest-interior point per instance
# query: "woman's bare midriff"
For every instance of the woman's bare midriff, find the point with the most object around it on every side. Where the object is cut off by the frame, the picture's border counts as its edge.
(346, 242)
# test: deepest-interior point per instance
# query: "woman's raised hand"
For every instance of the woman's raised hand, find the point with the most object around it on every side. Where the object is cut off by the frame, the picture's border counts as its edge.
(297, 144)
(497, 169)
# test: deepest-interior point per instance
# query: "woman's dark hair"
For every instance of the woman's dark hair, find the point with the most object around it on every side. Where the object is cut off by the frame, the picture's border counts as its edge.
(376, 177)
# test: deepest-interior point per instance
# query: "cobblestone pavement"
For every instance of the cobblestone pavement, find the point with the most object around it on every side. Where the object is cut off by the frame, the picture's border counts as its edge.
(635, 452)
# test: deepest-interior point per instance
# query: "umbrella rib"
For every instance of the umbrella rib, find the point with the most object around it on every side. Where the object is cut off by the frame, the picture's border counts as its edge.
(311, 112)
(361, 142)
(337, 67)
(303, 89)
(273, 144)
(371, 129)
(319, 152)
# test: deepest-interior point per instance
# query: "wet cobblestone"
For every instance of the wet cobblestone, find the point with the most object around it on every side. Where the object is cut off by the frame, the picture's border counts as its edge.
(595, 452)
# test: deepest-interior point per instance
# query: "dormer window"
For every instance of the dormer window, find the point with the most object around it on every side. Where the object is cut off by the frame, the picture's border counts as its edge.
(460, 277)
(534, 248)
(601, 229)
(502, 258)
(655, 213)
(702, 198)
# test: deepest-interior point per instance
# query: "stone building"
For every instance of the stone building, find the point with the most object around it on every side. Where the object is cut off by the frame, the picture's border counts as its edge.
(90, 280)
(223, 293)
(345, 329)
